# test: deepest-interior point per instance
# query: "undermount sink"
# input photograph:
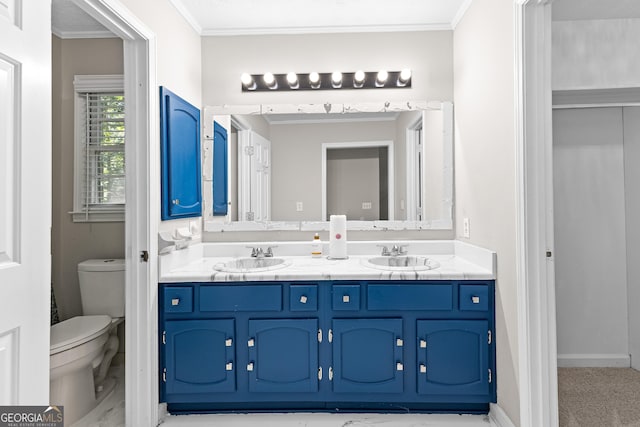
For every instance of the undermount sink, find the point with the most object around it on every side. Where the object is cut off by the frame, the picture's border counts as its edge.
(401, 263)
(248, 265)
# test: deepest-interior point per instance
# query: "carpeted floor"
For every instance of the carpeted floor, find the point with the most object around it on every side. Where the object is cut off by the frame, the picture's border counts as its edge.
(599, 397)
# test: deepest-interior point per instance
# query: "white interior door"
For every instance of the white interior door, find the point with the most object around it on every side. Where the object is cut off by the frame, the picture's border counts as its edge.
(25, 200)
(254, 173)
(261, 178)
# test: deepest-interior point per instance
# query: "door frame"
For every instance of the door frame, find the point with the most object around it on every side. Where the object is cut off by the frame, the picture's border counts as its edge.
(361, 144)
(142, 207)
(413, 133)
(537, 352)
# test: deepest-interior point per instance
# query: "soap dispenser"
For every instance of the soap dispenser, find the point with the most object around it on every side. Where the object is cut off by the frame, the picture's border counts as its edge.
(316, 246)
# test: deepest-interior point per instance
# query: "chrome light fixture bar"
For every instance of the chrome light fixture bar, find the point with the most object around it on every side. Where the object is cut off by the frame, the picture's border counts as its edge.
(269, 82)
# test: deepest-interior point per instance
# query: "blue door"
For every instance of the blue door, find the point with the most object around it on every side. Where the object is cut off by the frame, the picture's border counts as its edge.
(220, 173)
(200, 357)
(367, 356)
(180, 157)
(453, 357)
(283, 355)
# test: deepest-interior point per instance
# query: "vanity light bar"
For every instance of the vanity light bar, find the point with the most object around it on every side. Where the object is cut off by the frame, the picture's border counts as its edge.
(326, 81)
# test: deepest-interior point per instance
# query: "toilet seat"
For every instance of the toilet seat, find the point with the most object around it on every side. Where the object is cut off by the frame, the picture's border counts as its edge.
(77, 331)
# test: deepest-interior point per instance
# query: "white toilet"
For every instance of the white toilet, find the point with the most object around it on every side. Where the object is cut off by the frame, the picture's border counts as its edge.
(82, 347)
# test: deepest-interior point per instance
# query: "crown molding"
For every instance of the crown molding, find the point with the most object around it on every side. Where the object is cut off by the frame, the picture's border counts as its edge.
(82, 34)
(463, 9)
(325, 29)
(182, 9)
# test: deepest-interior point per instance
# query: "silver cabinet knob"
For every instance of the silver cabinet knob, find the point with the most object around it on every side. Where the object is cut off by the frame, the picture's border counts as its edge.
(229, 366)
(303, 299)
(175, 301)
(250, 367)
(475, 299)
(345, 298)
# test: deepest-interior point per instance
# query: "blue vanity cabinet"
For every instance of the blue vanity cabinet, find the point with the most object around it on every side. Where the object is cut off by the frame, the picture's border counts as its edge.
(180, 157)
(384, 345)
(453, 358)
(199, 357)
(367, 356)
(283, 355)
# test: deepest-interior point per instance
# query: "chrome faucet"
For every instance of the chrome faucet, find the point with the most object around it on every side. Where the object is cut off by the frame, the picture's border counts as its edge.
(258, 252)
(396, 250)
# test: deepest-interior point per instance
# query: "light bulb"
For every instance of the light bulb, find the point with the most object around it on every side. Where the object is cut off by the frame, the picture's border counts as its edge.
(314, 80)
(381, 78)
(292, 79)
(247, 81)
(336, 79)
(358, 78)
(270, 80)
(405, 76)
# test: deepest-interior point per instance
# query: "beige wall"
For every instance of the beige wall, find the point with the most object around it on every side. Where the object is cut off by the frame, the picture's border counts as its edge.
(428, 54)
(75, 242)
(485, 183)
(178, 61)
(595, 54)
(296, 172)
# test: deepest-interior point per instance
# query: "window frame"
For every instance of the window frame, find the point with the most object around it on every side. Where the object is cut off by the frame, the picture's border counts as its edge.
(97, 84)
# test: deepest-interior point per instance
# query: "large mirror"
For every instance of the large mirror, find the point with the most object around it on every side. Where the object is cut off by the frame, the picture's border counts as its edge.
(291, 167)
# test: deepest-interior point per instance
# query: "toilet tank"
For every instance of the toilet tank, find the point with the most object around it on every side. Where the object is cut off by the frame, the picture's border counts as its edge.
(102, 286)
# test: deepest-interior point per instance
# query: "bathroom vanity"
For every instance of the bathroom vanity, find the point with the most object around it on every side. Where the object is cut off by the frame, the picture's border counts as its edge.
(327, 335)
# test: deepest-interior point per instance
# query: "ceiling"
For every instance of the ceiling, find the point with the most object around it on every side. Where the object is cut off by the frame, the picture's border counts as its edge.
(239, 17)
(68, 21)
(233, 17)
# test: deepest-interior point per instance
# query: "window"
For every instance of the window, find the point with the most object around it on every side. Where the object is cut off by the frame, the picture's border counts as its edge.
(99, 167)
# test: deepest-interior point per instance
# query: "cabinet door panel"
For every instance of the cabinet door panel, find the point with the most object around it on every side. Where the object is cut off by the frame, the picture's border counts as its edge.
(200, 356)
(180, 152)
(367, 355)
(453, 357)
(220, 174)
(283, 355)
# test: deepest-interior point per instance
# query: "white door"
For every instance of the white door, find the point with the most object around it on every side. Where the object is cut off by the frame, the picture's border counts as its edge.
(254, 173)
(261, 178)
(25, 200)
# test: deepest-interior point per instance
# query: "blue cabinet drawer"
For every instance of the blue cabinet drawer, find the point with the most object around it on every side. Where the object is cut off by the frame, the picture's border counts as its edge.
(396, 296)
(241, 298)
(346, 297)
(474, 297)
(178, 299)
(303, 298)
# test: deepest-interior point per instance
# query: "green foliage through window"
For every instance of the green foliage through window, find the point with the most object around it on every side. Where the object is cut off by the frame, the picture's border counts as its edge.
(104, 155)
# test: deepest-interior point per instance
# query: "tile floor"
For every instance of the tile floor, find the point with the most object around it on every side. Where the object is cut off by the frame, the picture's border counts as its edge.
(111, 413)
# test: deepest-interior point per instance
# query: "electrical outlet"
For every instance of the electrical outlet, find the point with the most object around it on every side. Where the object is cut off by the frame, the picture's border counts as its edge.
(466, 228)
(299, 207)
(366, 205)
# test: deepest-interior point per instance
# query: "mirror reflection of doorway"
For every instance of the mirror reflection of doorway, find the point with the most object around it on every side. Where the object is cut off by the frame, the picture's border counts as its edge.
(357, 183)
(358, 180)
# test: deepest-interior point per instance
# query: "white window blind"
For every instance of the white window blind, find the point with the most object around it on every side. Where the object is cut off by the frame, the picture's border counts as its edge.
(100, 154)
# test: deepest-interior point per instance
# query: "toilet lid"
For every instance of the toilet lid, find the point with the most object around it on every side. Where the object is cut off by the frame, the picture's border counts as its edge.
(76, 331)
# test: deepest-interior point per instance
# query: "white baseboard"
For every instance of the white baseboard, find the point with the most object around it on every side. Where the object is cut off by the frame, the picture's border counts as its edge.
(498, 417)
(594, 361)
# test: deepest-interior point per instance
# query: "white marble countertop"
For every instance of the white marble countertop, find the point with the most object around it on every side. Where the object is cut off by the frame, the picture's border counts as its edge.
(457, 261)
